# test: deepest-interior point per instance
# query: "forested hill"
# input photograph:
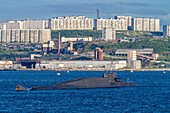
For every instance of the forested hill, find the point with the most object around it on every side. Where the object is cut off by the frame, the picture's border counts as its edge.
(159, 46)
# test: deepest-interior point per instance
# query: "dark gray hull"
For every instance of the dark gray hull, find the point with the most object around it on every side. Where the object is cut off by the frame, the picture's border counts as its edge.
(84, 83)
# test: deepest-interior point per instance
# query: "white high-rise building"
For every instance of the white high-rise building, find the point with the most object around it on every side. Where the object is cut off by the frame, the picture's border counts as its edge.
(145, 24)
(14, 25)
(34, 24)
(25, 35)
(118, 24)
(128, 20)
(25, 24)
(109, 34)
(137, 24)
(166, 30)
(71, 23)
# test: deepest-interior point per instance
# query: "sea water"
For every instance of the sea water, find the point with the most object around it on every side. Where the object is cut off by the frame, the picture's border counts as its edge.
(151, 95)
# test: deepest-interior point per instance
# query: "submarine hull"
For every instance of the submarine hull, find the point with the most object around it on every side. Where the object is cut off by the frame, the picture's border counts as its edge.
(85, 83)
(109, 80)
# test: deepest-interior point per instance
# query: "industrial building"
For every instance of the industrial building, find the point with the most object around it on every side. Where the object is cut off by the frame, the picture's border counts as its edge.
(124, 52)
(132, 55)
(25, 35)
(6, 64)
(81, 64)
(109, 34)
(74, 39)
(166, 30)
(71, 23)
(47, 47)
(132, 60)
(98, 54)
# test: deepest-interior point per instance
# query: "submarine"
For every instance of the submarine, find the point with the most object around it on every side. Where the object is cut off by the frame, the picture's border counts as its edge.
(108, 80)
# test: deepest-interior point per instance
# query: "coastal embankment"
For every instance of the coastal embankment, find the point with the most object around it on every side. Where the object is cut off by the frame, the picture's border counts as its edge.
(158, 69)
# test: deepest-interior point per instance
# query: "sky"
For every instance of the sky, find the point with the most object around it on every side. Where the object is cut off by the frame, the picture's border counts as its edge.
(46, 9)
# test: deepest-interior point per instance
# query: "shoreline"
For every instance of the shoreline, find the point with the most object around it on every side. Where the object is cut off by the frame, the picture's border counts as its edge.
(164, 69)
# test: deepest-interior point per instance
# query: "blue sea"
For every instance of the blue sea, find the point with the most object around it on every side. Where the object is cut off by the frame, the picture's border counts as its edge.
(151, 95)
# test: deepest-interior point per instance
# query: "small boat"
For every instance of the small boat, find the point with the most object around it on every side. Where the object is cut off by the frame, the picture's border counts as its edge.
(67, 71)
(131, 71)
(164, 72)
(58, 73)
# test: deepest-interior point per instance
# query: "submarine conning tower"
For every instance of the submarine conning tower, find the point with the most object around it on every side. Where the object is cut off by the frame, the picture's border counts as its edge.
(19, 88)
(110, 75)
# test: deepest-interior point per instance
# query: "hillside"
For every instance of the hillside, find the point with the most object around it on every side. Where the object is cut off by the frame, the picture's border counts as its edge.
(97, 34)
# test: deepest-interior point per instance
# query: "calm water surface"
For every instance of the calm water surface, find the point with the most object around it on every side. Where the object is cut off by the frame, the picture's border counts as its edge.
(151, 95)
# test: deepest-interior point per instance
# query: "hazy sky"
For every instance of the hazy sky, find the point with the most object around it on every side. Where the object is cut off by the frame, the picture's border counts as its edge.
(45, 9)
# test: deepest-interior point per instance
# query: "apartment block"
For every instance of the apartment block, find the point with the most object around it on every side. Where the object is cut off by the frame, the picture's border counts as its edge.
(128, 20)
(13, 24)
(166, 30)
(137, 24)
(71, 23)
(44, 34)
(3, 35)
(33, 36)
(109, 34)
(25, 35)
(145, 24)
(25, 24)
(118, 24)
(33, 24)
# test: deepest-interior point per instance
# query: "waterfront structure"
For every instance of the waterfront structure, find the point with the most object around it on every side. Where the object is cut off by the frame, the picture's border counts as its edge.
(166, 30)
(25, 35)
(128, 20)
(88, 64)
(134, 64)
(118, 24)
(6, 64)
(71, 23)
(132, 60)
(145, 24)
(74, 39)
(109, 34)
(98, 54)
